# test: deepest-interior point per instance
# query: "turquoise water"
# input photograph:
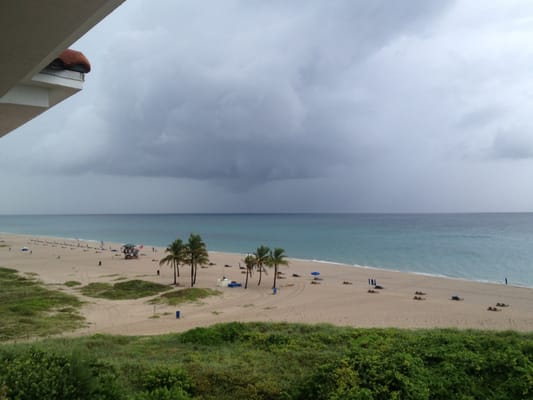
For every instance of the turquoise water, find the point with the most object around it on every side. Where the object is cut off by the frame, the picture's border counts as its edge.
(485, 247)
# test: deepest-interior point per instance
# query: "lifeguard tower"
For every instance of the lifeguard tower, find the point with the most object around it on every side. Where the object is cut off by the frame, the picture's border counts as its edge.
(130, 251)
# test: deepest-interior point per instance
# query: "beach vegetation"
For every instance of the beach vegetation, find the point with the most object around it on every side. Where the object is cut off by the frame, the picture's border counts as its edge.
(196, 253)
(133, 289)
(32, 373)
(29, 309)
(72, 283)
(261, 255)
(187, 295)
(177, 252)
(274, 361)
(276, 258)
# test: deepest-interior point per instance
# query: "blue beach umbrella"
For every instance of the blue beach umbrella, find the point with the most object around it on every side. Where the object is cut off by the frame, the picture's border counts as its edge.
(315, 273)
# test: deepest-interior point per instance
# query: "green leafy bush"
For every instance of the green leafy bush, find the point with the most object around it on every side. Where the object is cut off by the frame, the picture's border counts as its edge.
(167, 377)
(216, 334)
(276, 362)
(36, 374)
(163, 393)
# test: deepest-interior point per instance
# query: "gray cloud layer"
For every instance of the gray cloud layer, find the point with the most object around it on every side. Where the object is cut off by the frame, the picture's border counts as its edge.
(391, 98)
(236, 90)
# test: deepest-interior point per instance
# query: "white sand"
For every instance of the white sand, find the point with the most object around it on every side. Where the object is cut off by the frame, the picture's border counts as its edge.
(298, 300)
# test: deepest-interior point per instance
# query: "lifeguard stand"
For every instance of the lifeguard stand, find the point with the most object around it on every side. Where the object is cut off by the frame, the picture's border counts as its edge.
(130, 251)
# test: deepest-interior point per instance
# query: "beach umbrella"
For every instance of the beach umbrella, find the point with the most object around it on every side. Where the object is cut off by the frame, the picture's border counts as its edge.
(315, 273)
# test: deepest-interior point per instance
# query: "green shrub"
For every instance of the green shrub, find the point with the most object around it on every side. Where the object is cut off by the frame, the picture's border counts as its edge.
(276, 361)
(163, 394)
(37, 374)
(167, 377)
(216, 334)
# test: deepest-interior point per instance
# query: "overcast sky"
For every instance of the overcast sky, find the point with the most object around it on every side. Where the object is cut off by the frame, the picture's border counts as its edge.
(288, 106)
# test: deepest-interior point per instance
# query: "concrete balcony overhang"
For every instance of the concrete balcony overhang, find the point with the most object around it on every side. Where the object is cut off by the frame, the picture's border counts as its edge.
(34, 33)
(27, 100)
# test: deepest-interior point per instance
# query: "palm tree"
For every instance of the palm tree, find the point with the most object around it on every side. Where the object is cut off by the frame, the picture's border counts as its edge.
(175, 256)
(275, 259)
(261, 257)
(196, 254)
(250, 262)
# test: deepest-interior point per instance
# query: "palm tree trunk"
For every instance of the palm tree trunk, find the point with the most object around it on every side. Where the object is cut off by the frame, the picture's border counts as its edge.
(192, 273)
(275, 275)
(195, 271)
(174, 265)
(247, 273)
(260, 274)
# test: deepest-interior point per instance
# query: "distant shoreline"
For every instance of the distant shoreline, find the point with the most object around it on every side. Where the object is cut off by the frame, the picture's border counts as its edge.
(341, 296)
(328, 262)
(476, 247)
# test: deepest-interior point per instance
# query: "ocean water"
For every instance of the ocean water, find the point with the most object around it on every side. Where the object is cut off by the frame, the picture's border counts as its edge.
(483, 247)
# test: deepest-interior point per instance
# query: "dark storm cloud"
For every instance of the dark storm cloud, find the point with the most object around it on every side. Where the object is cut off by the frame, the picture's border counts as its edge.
(280, 106)
(235, 91)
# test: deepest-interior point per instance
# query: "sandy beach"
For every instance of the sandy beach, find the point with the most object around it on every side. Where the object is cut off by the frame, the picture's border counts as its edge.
(340, 297)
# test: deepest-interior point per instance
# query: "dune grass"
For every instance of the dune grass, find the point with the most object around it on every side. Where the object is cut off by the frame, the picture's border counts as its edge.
(133, 289)
(28, 308)
(188, 295)
(72, 283)
(282, 361)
